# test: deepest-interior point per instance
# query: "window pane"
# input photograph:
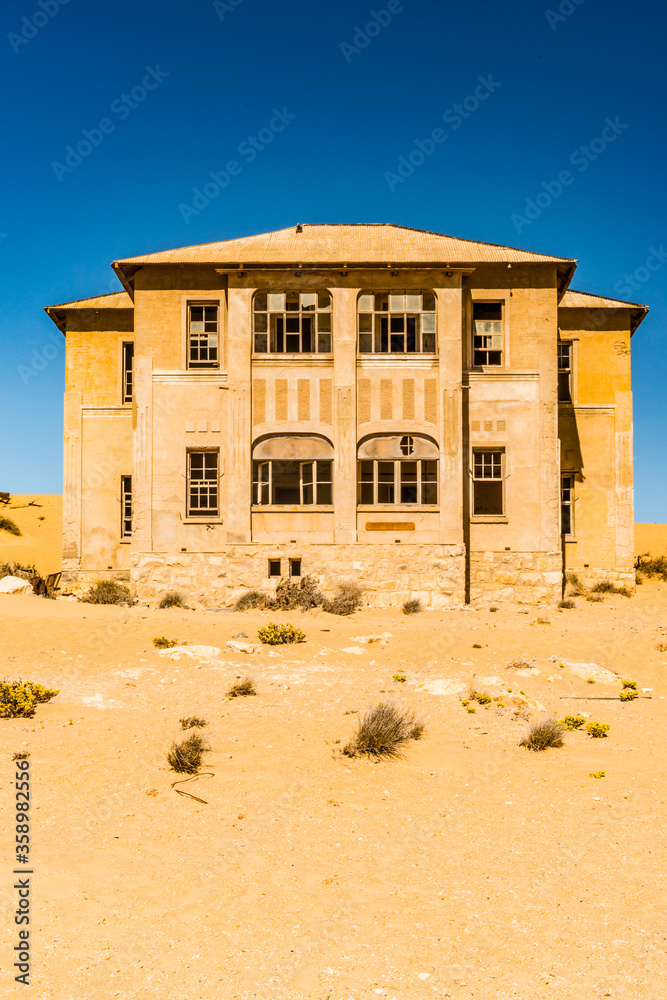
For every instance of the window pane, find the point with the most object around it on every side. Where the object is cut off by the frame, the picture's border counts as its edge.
(276, 301)
(324, 300)
(365, 323)
(308, 300)
(292, 324)
(488, 498)
(365, 343)
(260, 302)
(386, 492)
(428, 323)
(196, 314)
(487, 311)
(285, 482)
(397, 324)
(428, 343)
(429, 493)
(412, 327)
(325, 493)
(261, 343)
(396, 302)
(366, 302)
(409, 482)
(413, 302)
(324, 472)
(428, 302)
(324, 323)
(260, 323)
(292, 302)
(324, 343)
(381, 302)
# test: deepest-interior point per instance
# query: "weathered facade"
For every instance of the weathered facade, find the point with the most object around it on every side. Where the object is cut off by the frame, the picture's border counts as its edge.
(433, 417)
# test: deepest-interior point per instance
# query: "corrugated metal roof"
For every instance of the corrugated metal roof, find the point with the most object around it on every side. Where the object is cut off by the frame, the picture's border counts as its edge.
(383, 243)
(586, 300)
(115, 300)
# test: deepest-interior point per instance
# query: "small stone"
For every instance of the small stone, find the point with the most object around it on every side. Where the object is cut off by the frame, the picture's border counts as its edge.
(240, 635)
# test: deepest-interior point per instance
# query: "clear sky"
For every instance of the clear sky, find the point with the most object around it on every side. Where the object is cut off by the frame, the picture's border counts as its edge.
(169, 92)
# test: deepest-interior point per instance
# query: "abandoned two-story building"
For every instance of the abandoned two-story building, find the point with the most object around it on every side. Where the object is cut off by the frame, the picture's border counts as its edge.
(429, 416)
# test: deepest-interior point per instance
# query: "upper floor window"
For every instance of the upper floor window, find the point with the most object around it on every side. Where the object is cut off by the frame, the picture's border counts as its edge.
(292, 322)
(202, 483)
(128, 375)
(397, 323)
(203, 321)
(487, 322)
(564, 373)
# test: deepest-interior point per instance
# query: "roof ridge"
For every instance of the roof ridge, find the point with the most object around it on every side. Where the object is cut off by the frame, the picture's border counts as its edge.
(598, 295)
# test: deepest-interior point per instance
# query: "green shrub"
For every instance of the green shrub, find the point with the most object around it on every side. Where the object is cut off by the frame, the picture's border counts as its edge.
(629, 684)
(347, 599)
(596, 774)
(383, 732)
(412, 607)
(252, 599)
(6, 524)
(172, 600)
(566, 604)
(400, 678)
(162, 643)
(107, 592)
(479, 696)
(243, 689)
(573, 722)
(543, 735)
(597, 730)
(18, 699)
(590, 680)
(192, 722)
(629, 695)
(278, 635)
(186, 757)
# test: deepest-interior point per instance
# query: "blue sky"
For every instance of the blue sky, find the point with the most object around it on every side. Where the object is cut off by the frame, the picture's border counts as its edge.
(354, 102)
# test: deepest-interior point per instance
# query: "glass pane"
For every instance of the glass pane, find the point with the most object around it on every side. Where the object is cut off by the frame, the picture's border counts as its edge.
(366, 323)
(429, 472)
(413, 302)
(324, 343)
(325, 493)
(567, 520)
(396, 302)
(398, 344)
(428, 302)
(324, 323)
(260, 323)
(365, 343)
(324, 300)
(292, 343)
(307, 473)
(428, 323)
(366, 493)
(430, 493)
(306, 334)
(260, 302)
(428, 343)
(487, 310)
(308, 300)
(366, 302)
(196, 314)
(488, 498)
(276, 301)
(307, 493)
(261, 343)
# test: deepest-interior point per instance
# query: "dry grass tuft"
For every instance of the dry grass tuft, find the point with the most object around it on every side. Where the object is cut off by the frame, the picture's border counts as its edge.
(193, 722)
(252, 599)
(186, 757)
(543, 735)
(107, 592)
(520, 663)
(384, 731)
(607, 587)
(6, 524)
(172, 600)
(21, 755)
(652, 566)
(595, 598)
(303, 595)
(566, 604)
(161, 642)
(347, 599)
(412, 607)
(243, 689)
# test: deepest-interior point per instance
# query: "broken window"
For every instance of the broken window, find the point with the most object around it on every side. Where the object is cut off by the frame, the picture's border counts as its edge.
(128, 377)
(564, 373)
(567, 504)
(203, 336)
(398, 481)
(202, 483)
(126, 506)
(397, 323)
(487, 322)
(292, 322)
(295, 484)
(488, 493)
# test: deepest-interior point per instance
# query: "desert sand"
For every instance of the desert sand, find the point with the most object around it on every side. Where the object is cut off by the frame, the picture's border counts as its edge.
(651, 538)
(469, 868)
(40, 519)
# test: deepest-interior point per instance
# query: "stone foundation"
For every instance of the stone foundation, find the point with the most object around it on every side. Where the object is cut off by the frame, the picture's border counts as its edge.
(520, 577)
(620, 576)
(388, 574)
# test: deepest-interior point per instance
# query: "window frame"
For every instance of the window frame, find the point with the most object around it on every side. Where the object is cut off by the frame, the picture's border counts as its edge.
(569, 503)
(198, 514)
(207, 364)
(127, 372)
(125, 508)
(489, 300)
(569, 370)
(285, 315)
(398, 482)
(502, 479)
(376, 315)
(310, 477)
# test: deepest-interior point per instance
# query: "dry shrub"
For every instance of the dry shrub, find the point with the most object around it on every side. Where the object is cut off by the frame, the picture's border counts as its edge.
(652, 566)
(346, 600)
(520, 663)
(172, 600)
(607, 587)
(412, 607)
(107, 592)
(595, 598)
(542, 735)
(252, 599)
(303, 595)
(6, 524)
(186, 757)
(18, 569)
(162, 643)
(383, 732)
(566, 605)
(21, 755)
(243, 689)
(192, 722)
(573, 581)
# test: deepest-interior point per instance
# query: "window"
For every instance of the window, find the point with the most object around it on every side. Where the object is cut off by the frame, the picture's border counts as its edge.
(397, 323)
(298, 484)
(487, 322)
(487, 475)
(398, 482)
(126, 506)
(128, 375)
(295, 567)
(564, 373)
(567, 504)
(203, 336)
(292, 322)
(274, 567)
(203, 483)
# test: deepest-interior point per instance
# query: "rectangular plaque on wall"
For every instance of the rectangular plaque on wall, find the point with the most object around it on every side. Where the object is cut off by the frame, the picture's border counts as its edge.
(390, 526)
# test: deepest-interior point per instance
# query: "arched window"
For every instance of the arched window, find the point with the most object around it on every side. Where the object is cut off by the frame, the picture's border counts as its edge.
(397, 323)
(292, 322)
(397, 469)
(292, 470)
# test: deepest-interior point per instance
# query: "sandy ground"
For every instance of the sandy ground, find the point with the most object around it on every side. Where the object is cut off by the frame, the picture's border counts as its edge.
(40, 543)
(471, 868)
